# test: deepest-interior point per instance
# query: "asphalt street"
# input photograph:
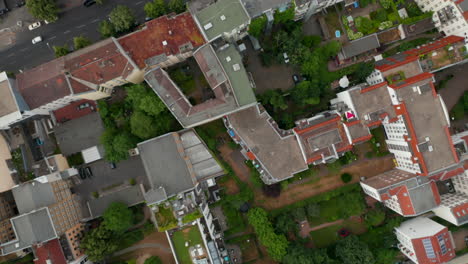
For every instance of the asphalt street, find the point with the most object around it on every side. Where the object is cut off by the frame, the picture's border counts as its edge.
(79, 21)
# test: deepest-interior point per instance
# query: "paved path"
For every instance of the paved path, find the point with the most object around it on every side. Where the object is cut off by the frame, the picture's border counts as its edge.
(142, 246)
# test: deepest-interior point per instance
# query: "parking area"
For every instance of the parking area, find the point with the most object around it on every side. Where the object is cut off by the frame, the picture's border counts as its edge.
(105, 178)
(277, 76)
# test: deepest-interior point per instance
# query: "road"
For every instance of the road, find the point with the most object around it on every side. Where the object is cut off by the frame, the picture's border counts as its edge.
(79, 21)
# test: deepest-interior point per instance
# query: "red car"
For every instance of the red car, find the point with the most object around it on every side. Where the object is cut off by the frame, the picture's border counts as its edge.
(343, 232)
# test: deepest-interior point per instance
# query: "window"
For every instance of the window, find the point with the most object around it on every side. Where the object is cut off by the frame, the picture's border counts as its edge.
(428, 247)
(443, 247)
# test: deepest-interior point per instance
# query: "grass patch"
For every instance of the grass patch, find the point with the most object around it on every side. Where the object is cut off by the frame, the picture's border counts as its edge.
(179, 238)
(191, 216)
(165, 219)
(329, 235)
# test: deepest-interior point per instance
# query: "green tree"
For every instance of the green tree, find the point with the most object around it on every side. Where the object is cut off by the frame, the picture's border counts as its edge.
(99, 243)
(106, 29)
(284, 223)
(311, 41)
(276, 244)
(306, 93)
(353, 251)
(298, 254)
(275, 99)
(176, 6)
(116, 144)
(257, 26)
(155, 9)
(299, 214)
(375, 217)
(142, 125)
(144, 99)
(60, 51)
(285, 16)
(43, 9)
(81, 42)
(118, 217)
(385, 256)
(346, 177)
(122, 18)
(313, 210)
(153, 260)
(363, 71)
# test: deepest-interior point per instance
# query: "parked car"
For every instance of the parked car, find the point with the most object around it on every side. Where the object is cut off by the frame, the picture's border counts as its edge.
(89, 3)
(296, 78)
(82, 173)
(36, 40)
(286, 58)
(112, 165)
(88, 171)
(34, 25)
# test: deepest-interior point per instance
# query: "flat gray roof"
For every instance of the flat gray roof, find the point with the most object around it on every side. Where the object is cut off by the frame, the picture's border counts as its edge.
(256, 8)
(75, 135)
(280, 156)
(361, 45)
(422, 198)
(33, 195)
(372, 103)
(130, 196)
(358, 131)
(222, 16)
(463, 6)
(430, 124)
(177, 161)
(32, 228)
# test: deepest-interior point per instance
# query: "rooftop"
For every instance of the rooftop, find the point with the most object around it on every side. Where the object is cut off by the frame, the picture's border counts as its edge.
(425, 110)
(76, 135)
(322, 137)
(256, 8)
(33, 195)
(222, 16)
(388, 179)
(49, 252)
(75, 110)
(30, 229)
(6, 179)
(162, 37)
(130, 196)
(224, 73)
(358, 132)
(281, 156)
(177, 162)
(420, 227)
(361, 45)
(463, 5)
(8, 103)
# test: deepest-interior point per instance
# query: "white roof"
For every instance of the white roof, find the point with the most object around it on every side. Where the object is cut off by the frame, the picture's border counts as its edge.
(420, 227)
(91, 154)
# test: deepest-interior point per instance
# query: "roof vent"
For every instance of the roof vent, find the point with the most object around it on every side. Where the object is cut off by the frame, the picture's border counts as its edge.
(223, 17)
(236, 67)
(208, 26)
(228, 59)
(170, 32)
(164, 42)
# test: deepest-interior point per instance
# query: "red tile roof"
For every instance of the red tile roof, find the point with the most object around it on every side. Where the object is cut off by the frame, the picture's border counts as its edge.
(175, 31)
(72, 111)
(434, 45)
(370, 88)
(421, 254)
(251, 155)
(412, 80)
(50, 251)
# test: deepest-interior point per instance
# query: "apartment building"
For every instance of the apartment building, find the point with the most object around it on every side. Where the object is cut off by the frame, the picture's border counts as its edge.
(425, 241)
(449, 16)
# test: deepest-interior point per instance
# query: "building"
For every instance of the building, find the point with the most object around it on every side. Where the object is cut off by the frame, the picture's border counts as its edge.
(228, 19)
(258, 8)
(304, 9)
(367, 44)
(163, 41)
(88, 73)
(275, 153)
(13, 108)
(49, 252)
(449, 16)
(226, 76)
(73, 237)
(425, 241)
(7, 211)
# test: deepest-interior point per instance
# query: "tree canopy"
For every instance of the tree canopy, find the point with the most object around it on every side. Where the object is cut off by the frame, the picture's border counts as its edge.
(153, 260)
(43, 9)
(275, 98)
(60, 51)
(298, 254)
(122, 18)
(106, 29)
(142, 125)
(81, 42)
(257, 26)
(176, 6)
(353, 251)
(276, 244)
(118, 217)
(155, 8)
(99, 243)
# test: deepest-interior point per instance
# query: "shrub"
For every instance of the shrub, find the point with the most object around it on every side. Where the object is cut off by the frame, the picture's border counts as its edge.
(346, 177)
(379, 15)
(386, 3)
(95, 194)
(132, 181)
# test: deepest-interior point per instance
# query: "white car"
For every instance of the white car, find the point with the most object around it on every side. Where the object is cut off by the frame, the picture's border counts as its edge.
(286, 58)
(34, 25)
(36, 40)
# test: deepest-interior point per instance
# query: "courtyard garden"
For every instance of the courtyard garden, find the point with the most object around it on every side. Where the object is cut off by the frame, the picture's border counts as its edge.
(165, 218)
(183, 239)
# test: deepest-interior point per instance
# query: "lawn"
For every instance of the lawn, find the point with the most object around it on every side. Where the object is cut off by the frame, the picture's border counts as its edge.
(328, 235)
(179, 238)
(165, 219)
